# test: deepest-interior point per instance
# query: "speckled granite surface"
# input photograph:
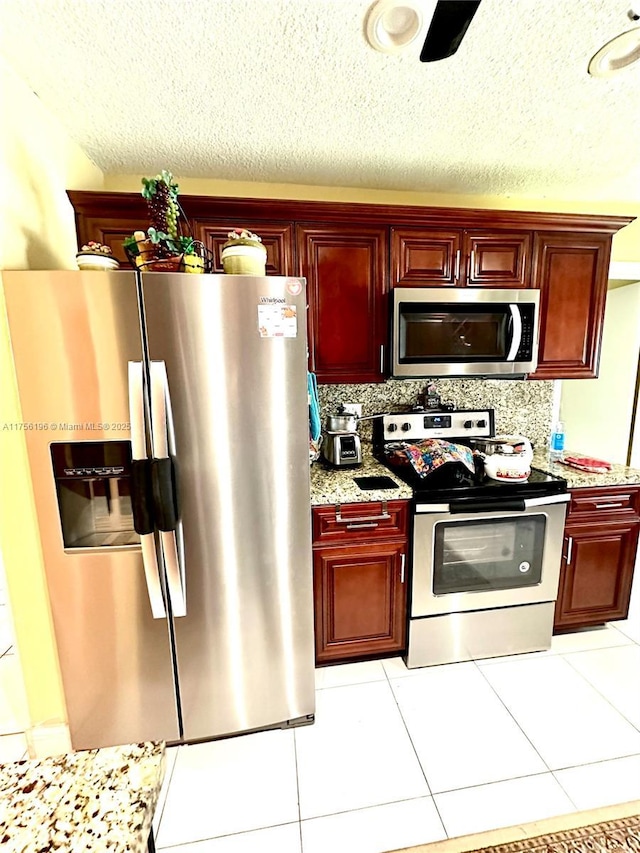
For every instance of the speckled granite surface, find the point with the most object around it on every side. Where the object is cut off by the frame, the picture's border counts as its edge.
(336, 485)
(100, 800)
(521, 407)
(617, 476)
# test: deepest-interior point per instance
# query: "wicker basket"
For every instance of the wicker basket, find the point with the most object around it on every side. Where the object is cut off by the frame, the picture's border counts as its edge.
(243, 259)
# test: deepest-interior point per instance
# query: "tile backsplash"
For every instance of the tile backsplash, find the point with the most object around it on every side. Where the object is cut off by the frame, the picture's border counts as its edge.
(521, 407)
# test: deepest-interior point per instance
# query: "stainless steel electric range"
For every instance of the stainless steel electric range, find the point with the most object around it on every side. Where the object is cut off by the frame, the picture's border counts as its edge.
(486, 554)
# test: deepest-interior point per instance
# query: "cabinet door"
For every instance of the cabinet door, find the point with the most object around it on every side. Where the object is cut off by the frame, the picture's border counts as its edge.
(571, 272)
(596, 573)
(422, 257)
(276, 237)
(360, 600)
(110, 231)
(345, 268)
(496, 259)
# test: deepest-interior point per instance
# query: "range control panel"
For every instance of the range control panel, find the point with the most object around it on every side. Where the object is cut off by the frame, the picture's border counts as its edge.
(463, 423)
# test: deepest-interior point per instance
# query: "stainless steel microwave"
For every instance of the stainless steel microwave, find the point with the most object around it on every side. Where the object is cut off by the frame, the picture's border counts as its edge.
(464, 331)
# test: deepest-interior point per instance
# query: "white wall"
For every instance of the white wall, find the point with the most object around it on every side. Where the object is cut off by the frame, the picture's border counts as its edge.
(38, 163)
(597, 412)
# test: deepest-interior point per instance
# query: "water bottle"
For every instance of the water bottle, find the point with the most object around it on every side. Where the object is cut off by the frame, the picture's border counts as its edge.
(557, 443)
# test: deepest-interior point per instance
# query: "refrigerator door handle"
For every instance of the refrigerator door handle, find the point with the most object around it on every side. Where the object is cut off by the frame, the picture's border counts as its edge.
(141, 497)
(164, 485)
(174, 573)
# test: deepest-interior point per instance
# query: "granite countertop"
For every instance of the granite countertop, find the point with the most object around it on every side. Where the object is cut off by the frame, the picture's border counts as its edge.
(618, 475)
(337, 486)
(97, 800)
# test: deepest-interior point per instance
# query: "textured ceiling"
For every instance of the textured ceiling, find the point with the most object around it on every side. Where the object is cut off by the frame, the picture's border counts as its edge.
(289, 91)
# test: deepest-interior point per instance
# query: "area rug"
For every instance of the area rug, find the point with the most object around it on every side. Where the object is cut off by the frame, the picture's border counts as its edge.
(613, 829)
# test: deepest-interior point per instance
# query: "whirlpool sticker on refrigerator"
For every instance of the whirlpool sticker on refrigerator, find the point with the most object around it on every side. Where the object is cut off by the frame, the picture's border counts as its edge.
(277, 320)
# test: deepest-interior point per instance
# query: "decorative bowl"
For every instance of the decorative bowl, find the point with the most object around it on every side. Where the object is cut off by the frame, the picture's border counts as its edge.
(96, 261)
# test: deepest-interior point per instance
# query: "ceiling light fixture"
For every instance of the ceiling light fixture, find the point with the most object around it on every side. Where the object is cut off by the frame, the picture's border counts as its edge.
(620, 52)
(392, 25)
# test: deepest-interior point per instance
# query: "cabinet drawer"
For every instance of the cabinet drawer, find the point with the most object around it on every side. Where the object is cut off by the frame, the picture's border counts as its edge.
(358, 522)
(615, 501)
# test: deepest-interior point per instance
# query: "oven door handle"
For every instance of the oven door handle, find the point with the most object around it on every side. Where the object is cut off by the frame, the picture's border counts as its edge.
(488, 505)
(547, 501)
(432, 509)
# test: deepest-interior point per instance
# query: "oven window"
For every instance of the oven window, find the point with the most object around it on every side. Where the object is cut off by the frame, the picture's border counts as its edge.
(447, 331)
(488, 554)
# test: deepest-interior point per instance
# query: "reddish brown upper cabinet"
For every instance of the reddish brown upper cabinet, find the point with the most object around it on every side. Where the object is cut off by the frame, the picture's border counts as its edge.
(345, 268)
(111, 232)
(425, 258)
(359, 578)
(600, 546)
(467, 258)
(277, 238)
(571, 273)
(498, 259)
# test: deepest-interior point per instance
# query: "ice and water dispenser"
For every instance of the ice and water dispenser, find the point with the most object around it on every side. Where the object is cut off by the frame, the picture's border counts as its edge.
(93, 484)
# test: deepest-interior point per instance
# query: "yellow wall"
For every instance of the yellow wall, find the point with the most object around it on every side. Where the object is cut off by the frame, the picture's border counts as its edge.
(38, 162)
(626, 243)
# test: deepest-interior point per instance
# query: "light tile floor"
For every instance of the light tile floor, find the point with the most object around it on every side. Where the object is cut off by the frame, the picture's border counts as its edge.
(399, 757)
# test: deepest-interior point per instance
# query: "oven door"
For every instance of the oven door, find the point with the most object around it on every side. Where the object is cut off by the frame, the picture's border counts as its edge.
(476, 560)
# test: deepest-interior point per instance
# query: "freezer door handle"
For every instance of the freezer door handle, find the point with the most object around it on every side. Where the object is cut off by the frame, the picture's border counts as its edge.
(152, 576)
(141, 497)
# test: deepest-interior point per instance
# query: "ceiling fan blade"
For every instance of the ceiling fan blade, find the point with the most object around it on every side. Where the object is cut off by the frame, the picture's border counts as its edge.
(450, 22)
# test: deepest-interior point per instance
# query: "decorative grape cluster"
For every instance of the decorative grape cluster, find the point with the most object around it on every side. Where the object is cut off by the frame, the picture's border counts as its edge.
(161, 194)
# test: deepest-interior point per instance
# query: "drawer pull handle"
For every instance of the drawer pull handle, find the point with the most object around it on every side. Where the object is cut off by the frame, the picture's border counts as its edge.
(607, 506)
(382, 517)
(361, 526)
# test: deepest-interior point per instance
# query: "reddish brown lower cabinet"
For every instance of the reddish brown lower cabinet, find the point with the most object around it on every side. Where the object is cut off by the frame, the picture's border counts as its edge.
(360, 600)
(598, 558)
(360, 587)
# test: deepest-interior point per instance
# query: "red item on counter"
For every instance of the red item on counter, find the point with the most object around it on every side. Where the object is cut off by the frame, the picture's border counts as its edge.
(587, 463)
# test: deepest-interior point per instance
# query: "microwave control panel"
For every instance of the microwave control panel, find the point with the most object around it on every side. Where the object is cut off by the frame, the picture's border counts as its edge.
(525, 350)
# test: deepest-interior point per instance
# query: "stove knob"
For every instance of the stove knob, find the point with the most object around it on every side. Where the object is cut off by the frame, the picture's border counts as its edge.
(481, 424)
(406, 427)
(468, 424)
(392, 427)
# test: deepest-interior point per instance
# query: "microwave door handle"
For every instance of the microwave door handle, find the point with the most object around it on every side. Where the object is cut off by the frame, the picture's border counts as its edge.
(141, 498)
(516, 328)
(163, 480)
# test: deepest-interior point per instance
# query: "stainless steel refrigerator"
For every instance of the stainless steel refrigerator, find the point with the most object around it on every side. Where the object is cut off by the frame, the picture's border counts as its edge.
(166, 420)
